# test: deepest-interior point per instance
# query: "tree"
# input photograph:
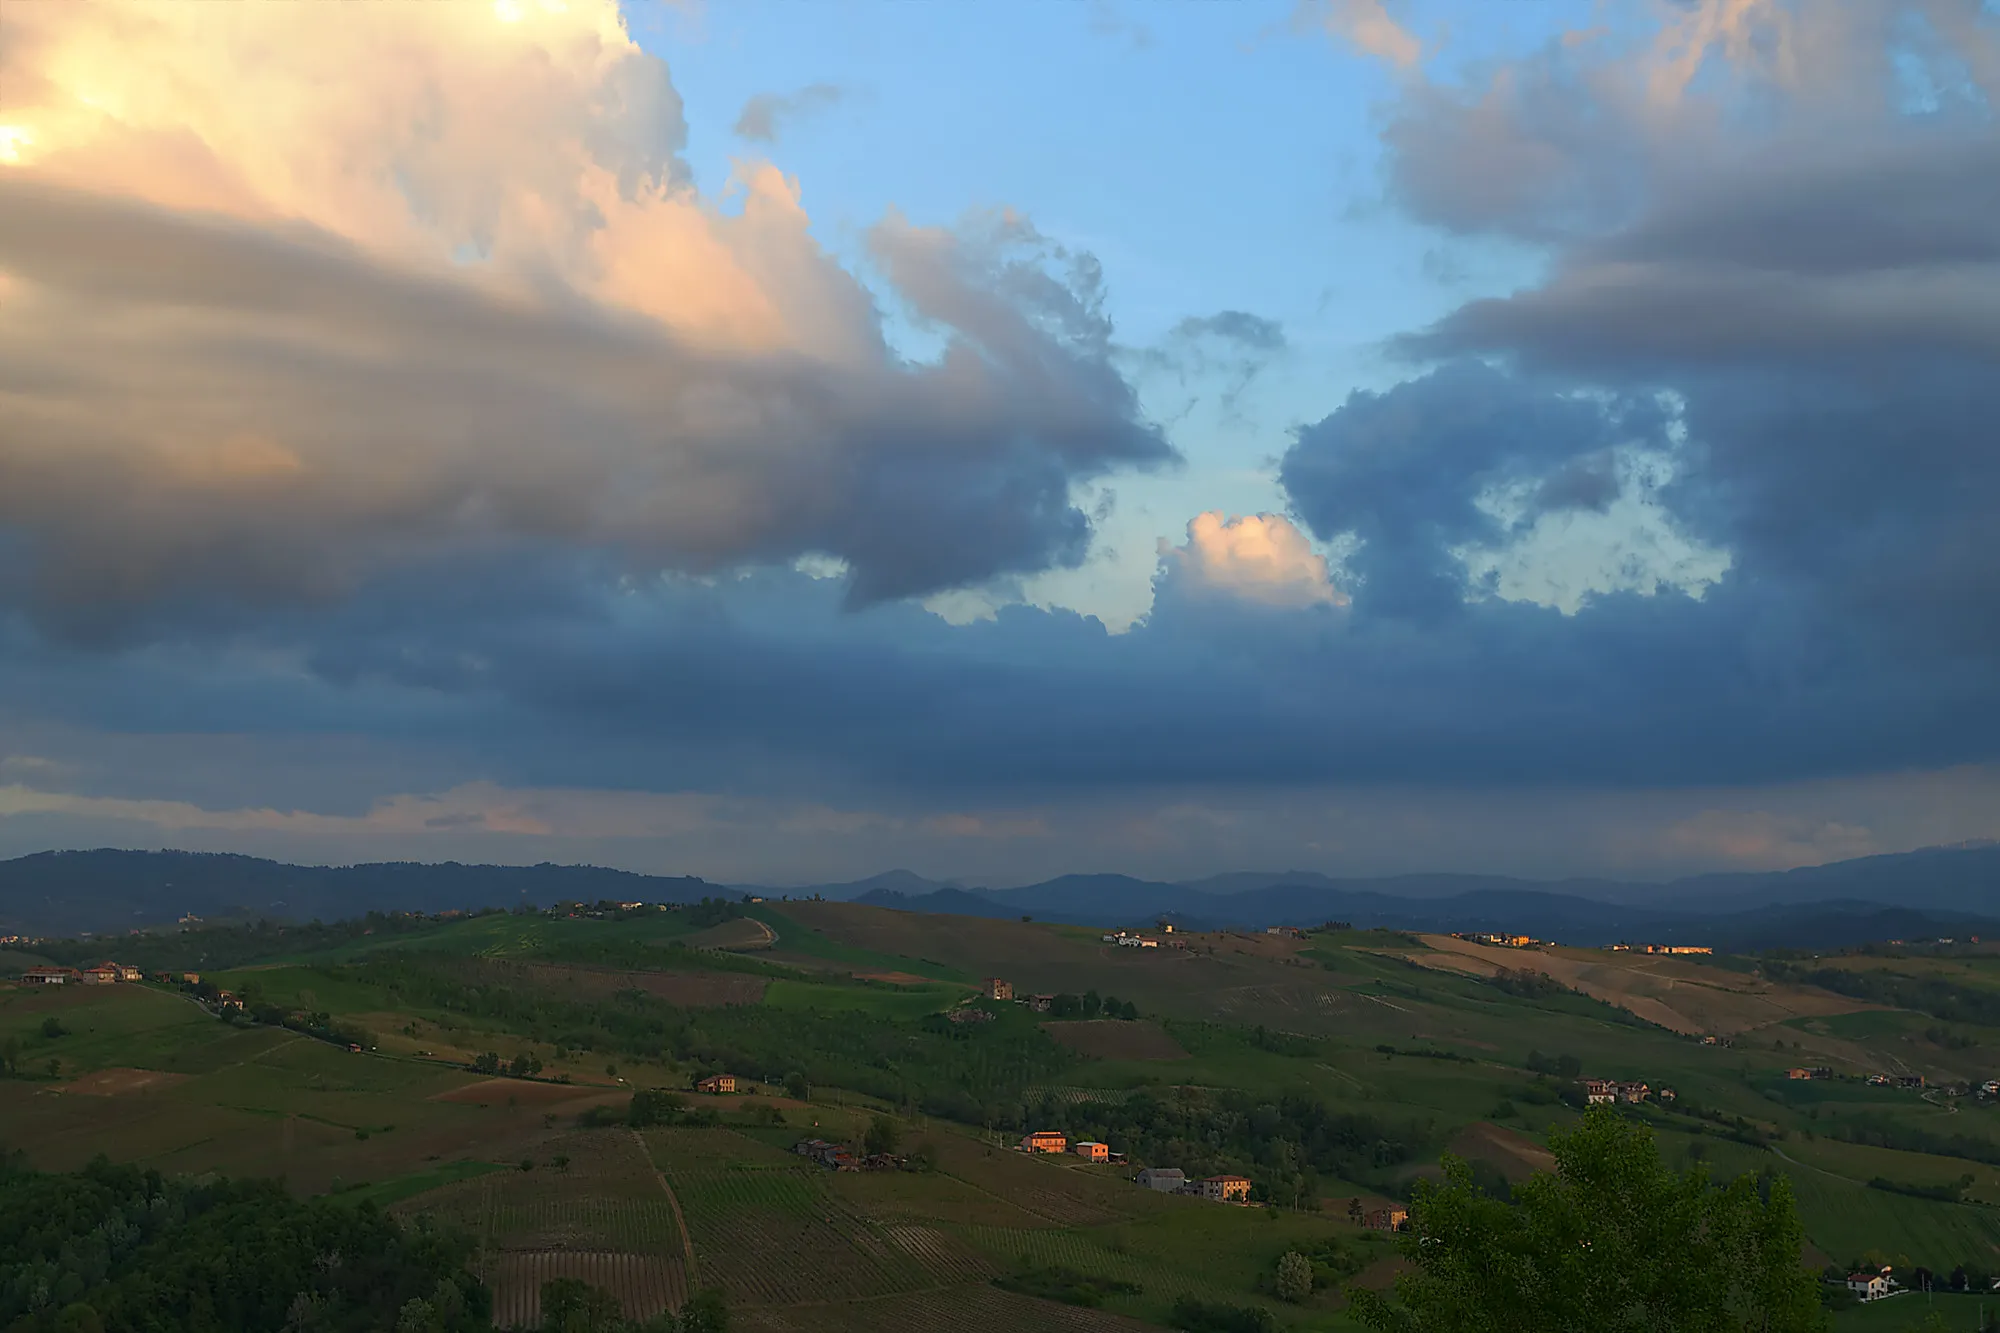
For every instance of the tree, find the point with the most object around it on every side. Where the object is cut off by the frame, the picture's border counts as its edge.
(52, 1028)
(1295, 1277)
(883, 1135)
(705, 1312)
(654, 1106)
(571, 1305)
(1611, 1240)
(797, 1088)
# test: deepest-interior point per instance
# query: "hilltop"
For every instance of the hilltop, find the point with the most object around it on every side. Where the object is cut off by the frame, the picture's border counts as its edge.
(1952, 890)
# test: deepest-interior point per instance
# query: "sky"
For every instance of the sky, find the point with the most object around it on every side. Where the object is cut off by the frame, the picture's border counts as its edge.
(782, 442)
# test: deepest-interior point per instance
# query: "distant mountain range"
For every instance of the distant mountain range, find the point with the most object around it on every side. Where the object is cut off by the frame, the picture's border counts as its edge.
(1936, 891)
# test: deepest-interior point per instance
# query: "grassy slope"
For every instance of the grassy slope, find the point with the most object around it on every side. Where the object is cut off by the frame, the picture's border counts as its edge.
(271, 1102)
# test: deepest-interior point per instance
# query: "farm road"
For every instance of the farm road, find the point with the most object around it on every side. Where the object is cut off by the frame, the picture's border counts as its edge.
(687, 1240)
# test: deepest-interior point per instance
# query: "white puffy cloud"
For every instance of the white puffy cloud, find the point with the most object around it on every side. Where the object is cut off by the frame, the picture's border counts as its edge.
(291, 295)
(1259, 557)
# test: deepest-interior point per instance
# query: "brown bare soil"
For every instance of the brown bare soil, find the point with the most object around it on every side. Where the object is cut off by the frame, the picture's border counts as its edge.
(688, 990)
(123, 1082)
(1116, 1039)
(1673, 993)
(1515, 1156)
(895, 978)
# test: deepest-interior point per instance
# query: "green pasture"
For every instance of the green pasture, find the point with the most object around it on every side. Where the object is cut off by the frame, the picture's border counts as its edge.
(898, 1003)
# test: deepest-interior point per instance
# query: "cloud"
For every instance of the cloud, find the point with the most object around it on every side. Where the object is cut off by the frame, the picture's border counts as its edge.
(1223, 352)
(282, 354)
(1366, 25)
(1259, 557)
(766, 114)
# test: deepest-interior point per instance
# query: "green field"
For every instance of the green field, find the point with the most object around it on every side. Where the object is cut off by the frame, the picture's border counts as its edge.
(851, 999)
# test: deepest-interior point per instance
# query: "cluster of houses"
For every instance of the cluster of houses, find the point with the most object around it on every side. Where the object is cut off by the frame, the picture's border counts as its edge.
(1662, 948)
(1502, 941)
(837, 1157)
(1000, 989)
(1164, 1179)
(1128, 941)
(1171, 1180)
(1805, 1072)
(1603, 1091)
(104, 974)
(1057, 1142)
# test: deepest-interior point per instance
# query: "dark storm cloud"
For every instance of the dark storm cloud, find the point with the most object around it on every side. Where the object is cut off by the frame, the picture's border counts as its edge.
(1404, 471)
(765, 116)
(206, 412)
(1802, 325)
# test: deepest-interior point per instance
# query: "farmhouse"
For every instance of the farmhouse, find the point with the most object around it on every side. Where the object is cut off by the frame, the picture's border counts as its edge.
(832, 1156)
(998, 988)
(1228, 1189)
(1046, 1140)
(1387, 1219)
(1165, 1179)
(1137, 942)
(1910, 1081)
(1285, 932)
(45, 976)
(1039, 1003)
(1599, 1091)
(104, 974)
(717, 1083)
(1870, 1286)
(127, 972)
(1092, 1152)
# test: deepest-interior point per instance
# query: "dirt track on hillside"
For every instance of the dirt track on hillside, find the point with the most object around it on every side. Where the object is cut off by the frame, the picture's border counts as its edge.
(1678, 995)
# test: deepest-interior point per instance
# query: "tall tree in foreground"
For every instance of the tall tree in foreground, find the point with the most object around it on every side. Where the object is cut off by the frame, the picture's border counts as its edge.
(1610, 1242)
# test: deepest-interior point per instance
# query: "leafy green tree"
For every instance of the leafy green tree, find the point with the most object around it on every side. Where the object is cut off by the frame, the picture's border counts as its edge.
(883, 1135)
(797, 1088)
(52, 1028)
(654, 1106)
(79, 1318)
(1295, 1277)
(571, 1305)
(1612, 1240)
(705, 1312)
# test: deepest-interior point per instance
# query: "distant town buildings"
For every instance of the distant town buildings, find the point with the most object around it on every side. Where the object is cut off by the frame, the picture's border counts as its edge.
(1128, 941)
(1285, 932)
(1501, 941)
(103, 974)
(1603, 1091)
(1662, 948)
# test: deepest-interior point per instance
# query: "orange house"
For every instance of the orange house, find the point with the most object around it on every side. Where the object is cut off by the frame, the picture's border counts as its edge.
(1092, 1152)
(1230, 1189)
(717, 1083)
(1046, 1140)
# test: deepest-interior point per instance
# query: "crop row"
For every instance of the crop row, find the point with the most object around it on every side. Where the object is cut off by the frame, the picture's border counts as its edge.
(644, 1284)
